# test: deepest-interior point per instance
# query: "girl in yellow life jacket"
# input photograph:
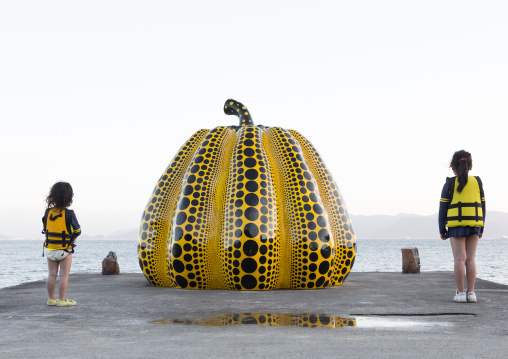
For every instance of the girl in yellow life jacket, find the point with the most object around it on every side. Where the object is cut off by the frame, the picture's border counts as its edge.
(462, 210)
(61, 228)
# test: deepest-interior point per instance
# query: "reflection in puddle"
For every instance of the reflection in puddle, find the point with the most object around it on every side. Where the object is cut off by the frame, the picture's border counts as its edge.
(308, 321)
(276, 320)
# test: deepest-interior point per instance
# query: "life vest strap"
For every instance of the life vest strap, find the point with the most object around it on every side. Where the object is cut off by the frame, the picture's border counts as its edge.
(463, 205)
(465, 218)
(62, 235)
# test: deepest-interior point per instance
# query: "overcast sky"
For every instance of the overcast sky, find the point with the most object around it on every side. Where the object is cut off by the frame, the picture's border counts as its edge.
(103, 93)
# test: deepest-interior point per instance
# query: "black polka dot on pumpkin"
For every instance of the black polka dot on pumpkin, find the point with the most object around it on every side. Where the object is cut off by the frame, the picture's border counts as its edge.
(317, 209)
(326, 251)
(184, 203)
(182, 282)
(252, 199)
(250, 248)
(251, 230)
(178, 266)
(249, 281)
(251, 214)
(249, 265)
(250, 162)
(177, 250)
(251, 186)
(323, 235)
(324, 267)
(178, 234)
(180, 218)
(251, 174)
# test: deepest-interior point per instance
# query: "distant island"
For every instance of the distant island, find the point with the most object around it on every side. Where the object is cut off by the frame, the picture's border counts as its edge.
(411, 226)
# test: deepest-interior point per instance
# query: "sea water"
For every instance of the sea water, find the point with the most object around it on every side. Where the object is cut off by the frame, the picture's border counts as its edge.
(21, 261)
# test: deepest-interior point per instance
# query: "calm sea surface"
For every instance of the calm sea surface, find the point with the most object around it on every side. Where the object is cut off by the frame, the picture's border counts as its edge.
(21, 260)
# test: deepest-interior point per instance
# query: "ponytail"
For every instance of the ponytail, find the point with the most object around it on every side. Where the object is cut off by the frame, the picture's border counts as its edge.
(461, 163)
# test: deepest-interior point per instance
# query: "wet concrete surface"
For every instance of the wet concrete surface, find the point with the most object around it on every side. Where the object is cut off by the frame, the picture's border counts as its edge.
(371, 315)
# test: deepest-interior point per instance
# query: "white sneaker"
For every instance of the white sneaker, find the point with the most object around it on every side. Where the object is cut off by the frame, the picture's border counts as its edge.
(471, 297)
(460, 297)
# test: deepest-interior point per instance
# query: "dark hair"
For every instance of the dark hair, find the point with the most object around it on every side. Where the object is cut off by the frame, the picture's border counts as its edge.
(461, 163)
(60, 196)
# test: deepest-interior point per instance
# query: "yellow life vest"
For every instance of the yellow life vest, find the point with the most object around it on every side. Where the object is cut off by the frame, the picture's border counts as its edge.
(465, 208)
(58, 229)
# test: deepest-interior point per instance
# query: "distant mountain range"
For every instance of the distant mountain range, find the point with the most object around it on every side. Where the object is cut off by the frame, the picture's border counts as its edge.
(373, 227)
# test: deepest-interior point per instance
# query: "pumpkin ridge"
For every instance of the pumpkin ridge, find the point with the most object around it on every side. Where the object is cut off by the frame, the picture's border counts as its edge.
(283, 232)
(155, 227)
(220, 198)
(340, 223)
(190, 239)
(310, 241)
(250, 251)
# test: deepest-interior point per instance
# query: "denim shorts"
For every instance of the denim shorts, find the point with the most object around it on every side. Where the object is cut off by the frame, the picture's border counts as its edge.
(57, 255)
(463, 231)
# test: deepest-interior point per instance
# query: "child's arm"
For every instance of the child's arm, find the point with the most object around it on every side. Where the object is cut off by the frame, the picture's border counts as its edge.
(443, 209)
(76, 228)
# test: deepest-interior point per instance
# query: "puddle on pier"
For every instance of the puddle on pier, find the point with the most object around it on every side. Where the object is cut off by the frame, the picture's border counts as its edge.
(306, 321)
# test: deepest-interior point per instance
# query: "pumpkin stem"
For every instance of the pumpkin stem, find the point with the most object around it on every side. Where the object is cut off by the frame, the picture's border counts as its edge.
(232, 107)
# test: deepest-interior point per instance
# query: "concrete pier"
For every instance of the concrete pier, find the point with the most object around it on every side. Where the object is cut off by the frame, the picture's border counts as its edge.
(372, 315)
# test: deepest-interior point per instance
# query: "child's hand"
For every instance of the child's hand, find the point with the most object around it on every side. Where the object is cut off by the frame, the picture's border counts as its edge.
(443, 237)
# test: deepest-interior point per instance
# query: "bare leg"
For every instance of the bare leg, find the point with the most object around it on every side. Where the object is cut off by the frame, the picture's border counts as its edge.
(51, 282)
(471, 243)
(65, 268)
(459, 259)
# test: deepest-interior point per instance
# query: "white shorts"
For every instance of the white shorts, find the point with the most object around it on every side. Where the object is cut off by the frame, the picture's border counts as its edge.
(57, 255)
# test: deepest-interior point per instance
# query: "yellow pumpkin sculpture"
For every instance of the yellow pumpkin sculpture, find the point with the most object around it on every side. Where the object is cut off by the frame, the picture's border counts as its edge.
(246, 208)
